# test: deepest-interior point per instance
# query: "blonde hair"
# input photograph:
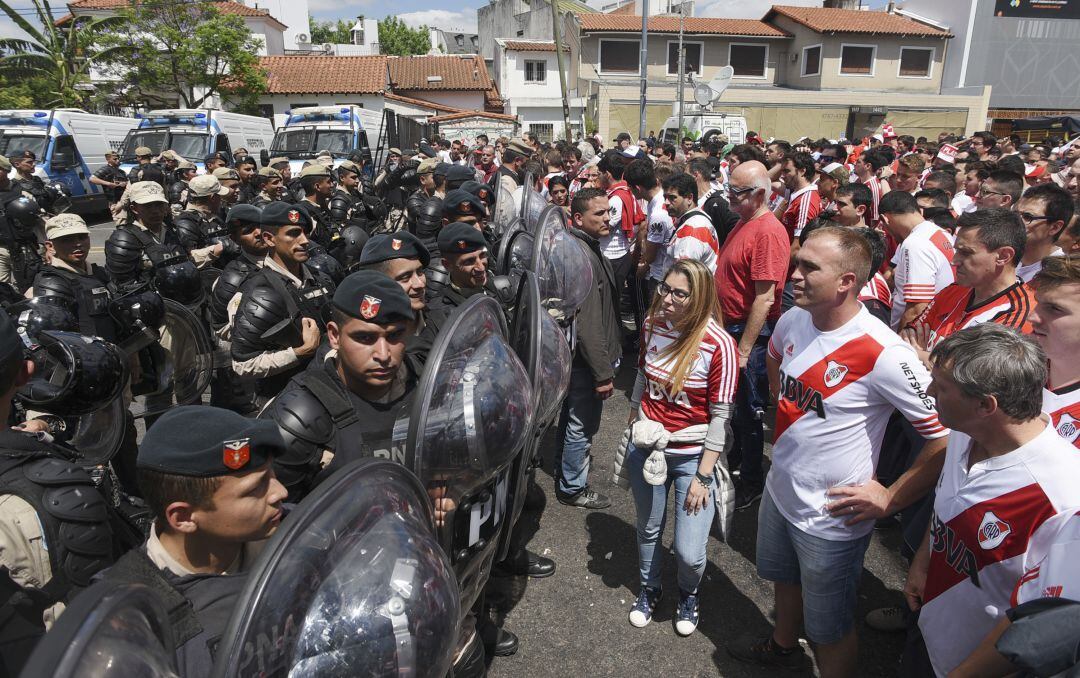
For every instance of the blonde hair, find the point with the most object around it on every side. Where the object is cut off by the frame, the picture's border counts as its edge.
(702, 306)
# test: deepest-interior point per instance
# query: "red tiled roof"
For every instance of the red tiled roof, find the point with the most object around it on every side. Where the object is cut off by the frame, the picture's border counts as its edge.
(472, 114)
(324, 74)
(829, 20)
(421, 103)
(531, 46)
(629, 23)
(223, 6)
(464, 72)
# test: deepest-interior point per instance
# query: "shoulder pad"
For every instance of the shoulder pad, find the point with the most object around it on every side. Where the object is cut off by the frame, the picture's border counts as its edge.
(307, 429)
(230, 280)
(504, 289)
(429, 216)
(123, 251)
(256, 325)
(49, 283)
(437, 279)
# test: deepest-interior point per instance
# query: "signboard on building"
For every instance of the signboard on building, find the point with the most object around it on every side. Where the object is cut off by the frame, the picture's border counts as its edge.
(469, 128)
(1038, 9)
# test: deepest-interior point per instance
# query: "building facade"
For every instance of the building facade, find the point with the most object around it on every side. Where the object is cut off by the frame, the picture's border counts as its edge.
(528, 78)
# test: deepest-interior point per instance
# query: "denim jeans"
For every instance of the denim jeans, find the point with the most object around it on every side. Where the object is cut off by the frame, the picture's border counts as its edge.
(579, 422)
(751, 399)
(691, 530)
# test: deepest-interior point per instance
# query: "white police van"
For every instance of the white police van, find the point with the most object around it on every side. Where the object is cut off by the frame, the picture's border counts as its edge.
(338, 129)
(70, 145)
(195, 133)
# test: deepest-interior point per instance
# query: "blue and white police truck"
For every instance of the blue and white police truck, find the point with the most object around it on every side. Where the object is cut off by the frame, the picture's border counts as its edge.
(338, 129)
(195, 133)
(70, 145)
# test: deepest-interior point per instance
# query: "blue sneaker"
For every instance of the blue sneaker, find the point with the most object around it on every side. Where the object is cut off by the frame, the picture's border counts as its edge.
(642, 611)
(686, 615)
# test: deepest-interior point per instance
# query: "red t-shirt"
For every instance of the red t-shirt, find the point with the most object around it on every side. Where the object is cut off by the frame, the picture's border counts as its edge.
(756, 250)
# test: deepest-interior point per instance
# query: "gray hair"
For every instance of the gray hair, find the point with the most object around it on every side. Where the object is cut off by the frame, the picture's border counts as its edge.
(994, 360)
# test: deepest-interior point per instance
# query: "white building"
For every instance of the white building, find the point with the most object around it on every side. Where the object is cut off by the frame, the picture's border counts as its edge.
(526, 72)
(293, 14)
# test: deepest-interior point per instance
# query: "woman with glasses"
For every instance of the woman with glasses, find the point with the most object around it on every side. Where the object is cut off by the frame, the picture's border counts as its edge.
(682, 402)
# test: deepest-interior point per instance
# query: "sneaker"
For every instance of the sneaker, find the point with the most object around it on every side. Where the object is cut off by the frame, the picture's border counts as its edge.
(887, 619)
(586, 499)
(764, 652)
(746, 495)
(642, 611)
(686, 614)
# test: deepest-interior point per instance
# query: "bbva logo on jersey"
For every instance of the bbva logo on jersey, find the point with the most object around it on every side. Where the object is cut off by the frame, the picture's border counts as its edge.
(992, 531)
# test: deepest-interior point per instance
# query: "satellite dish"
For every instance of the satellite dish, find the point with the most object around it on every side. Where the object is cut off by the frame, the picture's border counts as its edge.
(707, 94)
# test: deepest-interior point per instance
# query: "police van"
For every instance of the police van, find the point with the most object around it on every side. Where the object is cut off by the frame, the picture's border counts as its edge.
(338, 129)
(702, 124)
(196, 133)
(70, 145)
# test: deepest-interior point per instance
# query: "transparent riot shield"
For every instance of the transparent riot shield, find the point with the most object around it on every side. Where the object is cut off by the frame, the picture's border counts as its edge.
(561, 266)
(505, 211)
(514, 251)
(98, 435)
(532, 203)
(469, 424)
(108, 631)
(177, 369)
(353, 583)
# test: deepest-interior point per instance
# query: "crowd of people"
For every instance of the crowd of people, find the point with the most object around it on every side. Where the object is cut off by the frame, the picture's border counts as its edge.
(898, 315)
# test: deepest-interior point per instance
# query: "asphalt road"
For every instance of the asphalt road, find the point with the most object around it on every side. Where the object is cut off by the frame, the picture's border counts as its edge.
(574, 623)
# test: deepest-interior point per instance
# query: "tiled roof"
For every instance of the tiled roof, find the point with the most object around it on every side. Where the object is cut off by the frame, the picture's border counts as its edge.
(829, 20)
(324, 74)
(530, 46)
(472, 114)
(629, 23)
(223, 6)
(421, 103)
(464, 72)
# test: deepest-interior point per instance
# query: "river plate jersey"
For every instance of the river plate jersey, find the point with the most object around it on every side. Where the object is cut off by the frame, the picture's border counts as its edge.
(952, 310)
(1063, 406)
(923, 267)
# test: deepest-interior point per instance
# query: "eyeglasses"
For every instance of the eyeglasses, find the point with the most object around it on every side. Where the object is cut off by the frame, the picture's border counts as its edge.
(983, 192)
(1029, 218)
(663, 289)
(738, 192)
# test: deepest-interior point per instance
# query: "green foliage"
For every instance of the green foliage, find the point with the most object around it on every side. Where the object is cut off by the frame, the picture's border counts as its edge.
(19, 94)
(396, 38)
(186, 52)
(57, 59)
(338, 32)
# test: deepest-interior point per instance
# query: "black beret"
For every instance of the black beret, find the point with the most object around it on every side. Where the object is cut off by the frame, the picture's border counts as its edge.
(372, 296)
(244, 213)
(399, 245)
(482, 191)
(460, 238)
(442, 169)
(217, 155)
(280, 213)
(459, 203)
(205, 442)
(427, 150)
(460, 173)
(11, 344)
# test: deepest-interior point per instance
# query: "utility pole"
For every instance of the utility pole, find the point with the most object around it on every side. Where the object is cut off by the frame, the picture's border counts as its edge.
(643, 64)
(557, 33)
(682, 70)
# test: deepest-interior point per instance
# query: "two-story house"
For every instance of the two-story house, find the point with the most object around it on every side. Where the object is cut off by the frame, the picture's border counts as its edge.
(528, 78)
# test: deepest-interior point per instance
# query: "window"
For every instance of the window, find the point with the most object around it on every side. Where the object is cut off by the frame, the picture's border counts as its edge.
(857, 59)
(619, 56)
(460, 40)
(536, 71)
(544, 133)
(748, 60)
(915, 62)
(811, 60)
(64, 156)
(692, 64)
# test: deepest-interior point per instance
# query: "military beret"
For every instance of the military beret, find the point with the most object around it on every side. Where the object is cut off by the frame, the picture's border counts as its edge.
(427, 166)
(459, 203)
(400, 245)
(11, 344)
(460, 238)
(460, 173)
(269, 172)
(482, 191)
(427, 150)
(205, 442)
(244, 214)
(442, 168)
(280, 213)
(247, 160)
(217, 155)
(374, 297)
(315, 170)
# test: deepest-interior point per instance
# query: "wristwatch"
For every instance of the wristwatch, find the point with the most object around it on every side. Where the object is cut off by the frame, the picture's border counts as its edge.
(703, 479)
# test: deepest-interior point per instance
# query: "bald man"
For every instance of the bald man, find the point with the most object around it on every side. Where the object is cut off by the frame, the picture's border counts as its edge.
(750, 276)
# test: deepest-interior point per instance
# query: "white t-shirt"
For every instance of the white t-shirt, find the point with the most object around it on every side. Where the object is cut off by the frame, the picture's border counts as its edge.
(615, 245)
(1028, 271)
(661, 230)
(923, 267)
(984, 519)
(838, 390)
(963, 203)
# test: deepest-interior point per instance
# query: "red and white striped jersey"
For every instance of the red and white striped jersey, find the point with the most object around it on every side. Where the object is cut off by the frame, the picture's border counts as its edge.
(984, 517)
(876, 288)
(804, 207)
(712, 378)
(1050, 569)
(923, 267)
(874, 184)
(1063, 406)
(952, 310)
(837, 392)
(695, 238)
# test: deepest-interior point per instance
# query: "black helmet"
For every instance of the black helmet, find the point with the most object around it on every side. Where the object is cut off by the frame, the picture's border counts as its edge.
(58, 197)
(138, 308)
(39, 314)
(348, 246)
(327, 265)
(180, 282)
(74, 374)
(24, 213)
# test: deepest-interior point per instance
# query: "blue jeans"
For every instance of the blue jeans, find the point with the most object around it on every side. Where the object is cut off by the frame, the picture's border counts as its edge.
(751, 399)
(691, 530)
(579, 422)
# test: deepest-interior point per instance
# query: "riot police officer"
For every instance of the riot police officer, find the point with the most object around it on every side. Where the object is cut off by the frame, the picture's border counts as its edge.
(146, 169)
(318, 186)
(178, 189)
(25, 179)
(283, 307)
(244, 227)
(169, 161)
(215, 160)
(345, 196)
(111, 178)
(206, 475)
(199, 227)
(229, 178)
(464, 255)
(268, 184)
(20, 247)
(246, 169)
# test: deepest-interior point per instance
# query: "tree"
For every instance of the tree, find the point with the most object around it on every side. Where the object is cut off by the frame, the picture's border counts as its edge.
(187, 52)
(338, 32)
(396, 38)
(58, 56)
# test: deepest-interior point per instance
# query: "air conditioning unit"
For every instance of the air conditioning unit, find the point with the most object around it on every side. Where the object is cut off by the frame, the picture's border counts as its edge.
(301, 38)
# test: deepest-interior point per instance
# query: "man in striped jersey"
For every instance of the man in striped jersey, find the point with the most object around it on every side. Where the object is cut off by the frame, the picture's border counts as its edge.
(1055, 324)
(868, 170)
(804, 203)
(922, 265)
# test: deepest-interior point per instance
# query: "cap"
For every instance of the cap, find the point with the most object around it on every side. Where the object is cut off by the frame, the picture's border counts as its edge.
(324, 158)
(280, 213)
(459, 203)
(206, 185)
(460, 173)
(109, 154)
(460, 238)
(878, 137)
(394, 151)
(442, 168)
(427, 166)
(349, 166)
(248, 214)
(5, 164)
(202, 441)
(837, 172)
(269, 172)
(226, 173)
(277, 161)
(65, 224)
(399, 245)
(373, 297)
(519, 145)
(27, 154)
(426, 150)
(142, 151)
(315, 170)
(171, 155)
(633, 152)
(186, 165)
(144, 192)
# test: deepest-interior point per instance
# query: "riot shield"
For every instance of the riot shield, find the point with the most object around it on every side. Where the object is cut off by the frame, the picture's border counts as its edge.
(561, 265)
(108, 631)
(98, 435)
(469, 423)
(514, 251)
(177, 369)
(352, 584)
(505, 210)
(532, 203)
(73, 374)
